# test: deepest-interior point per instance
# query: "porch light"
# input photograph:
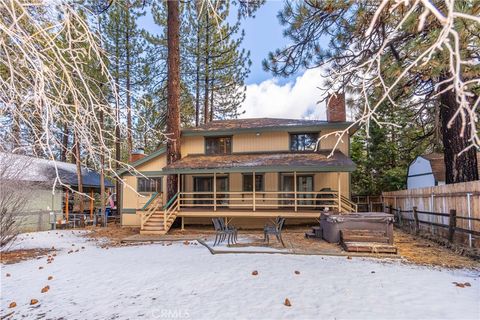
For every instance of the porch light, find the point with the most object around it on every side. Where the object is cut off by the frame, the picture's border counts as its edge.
(258, 134)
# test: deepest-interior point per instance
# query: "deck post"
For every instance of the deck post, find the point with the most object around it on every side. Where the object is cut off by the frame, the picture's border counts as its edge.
(254, 190)
(91, 204)
(295, 189)
(214, 191)
(183, 224)
(66, 205)
(178, 182)
(339, 192)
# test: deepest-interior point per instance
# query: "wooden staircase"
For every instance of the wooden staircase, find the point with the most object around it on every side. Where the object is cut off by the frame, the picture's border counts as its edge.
(369, 241)
(158, 220)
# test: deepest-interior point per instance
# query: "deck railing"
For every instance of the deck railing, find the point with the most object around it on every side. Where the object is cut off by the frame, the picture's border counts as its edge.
(266, 200)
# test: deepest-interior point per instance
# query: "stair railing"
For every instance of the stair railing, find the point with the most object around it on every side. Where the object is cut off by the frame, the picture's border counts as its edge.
(154, 203)
(349, 205)
(169, 209)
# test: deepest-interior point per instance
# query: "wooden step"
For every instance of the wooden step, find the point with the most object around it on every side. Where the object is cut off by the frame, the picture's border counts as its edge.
(370, 247)
(153, 232)
(160, 219)
(153, 228)
(157, 224)
(370, 233)
(354, 238)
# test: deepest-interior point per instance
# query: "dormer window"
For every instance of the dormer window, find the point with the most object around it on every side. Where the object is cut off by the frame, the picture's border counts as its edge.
(303, 141)
(218, 145)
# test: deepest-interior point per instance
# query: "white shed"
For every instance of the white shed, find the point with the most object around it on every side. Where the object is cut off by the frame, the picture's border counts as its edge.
(426, 171)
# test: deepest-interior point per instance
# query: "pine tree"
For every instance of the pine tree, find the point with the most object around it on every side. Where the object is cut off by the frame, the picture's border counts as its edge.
(350, 46)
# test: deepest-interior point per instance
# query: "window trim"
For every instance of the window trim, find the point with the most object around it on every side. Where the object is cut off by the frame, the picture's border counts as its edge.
(217, 137)
(147, 178)
(251, 174)
(290, 134)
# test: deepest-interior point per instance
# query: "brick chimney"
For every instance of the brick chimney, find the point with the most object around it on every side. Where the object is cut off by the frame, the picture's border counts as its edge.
(137, 154)
(336, 108)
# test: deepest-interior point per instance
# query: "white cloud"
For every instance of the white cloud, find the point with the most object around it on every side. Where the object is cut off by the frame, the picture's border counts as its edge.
(297, 99)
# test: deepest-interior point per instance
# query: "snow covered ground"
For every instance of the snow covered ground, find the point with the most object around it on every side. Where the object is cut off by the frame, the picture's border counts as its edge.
(181, 281)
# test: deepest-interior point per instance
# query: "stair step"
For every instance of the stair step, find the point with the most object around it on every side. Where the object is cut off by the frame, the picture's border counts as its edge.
(153, 232)
(153, 228)
(371, 233)
(370, 247)
(352, 238)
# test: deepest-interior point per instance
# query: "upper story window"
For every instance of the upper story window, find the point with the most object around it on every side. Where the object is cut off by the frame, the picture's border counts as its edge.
(149, 184)
(303, 141)
(248, 182)
(218, 145)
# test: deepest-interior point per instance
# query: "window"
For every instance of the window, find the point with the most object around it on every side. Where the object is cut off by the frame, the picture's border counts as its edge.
(149, 184)
(218, 145)
(248, 182)
(303, 141)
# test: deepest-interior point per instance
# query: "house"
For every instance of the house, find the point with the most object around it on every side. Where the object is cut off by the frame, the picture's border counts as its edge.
(35, 177)
(244, 169)
(428, 170)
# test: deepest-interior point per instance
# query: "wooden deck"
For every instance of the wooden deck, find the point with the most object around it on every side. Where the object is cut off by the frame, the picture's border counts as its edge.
(245, 213)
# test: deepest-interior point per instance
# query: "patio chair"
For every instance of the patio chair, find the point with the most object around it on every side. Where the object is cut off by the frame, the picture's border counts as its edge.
(230, 229)
(222, 232)
(275, 229)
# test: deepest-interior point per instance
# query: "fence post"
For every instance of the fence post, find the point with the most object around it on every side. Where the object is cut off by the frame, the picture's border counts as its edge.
(452, 223)
(415, 218)
(399, 211)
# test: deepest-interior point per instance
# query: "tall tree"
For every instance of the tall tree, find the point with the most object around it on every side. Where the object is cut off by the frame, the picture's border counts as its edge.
(173, 89)
(398, 54)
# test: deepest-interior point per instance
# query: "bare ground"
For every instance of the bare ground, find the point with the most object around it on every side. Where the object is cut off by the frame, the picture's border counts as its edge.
(14, 256)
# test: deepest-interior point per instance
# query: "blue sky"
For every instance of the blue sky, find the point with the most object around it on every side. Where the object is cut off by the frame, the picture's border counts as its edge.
(266, 95)
(263, 34)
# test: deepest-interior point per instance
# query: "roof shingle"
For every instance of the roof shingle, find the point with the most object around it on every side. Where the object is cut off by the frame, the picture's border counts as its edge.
(263, 162)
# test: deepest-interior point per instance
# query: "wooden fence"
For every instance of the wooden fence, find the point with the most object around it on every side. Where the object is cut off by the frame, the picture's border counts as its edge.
(433, 207)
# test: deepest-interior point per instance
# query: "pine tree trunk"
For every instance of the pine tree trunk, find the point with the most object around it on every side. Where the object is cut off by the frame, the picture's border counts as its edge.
(102, 176)
(197, 79)
(128, 81)
(463, 167)
(118, 183)
(79, 172)
(211, 90)
(63, 154)
(15, 132)
(206, 116)
(173, 91)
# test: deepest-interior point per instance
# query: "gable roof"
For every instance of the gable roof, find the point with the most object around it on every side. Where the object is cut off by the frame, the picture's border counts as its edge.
(42, 170)
(438, 164)
(263, 124)
(263, 162)
(145, 159)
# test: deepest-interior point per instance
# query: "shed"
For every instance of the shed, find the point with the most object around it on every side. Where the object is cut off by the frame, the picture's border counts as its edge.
(427, 170)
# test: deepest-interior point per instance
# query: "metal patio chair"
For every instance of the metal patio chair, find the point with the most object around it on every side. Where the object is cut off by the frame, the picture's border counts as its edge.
(275, 229)
(222, 232)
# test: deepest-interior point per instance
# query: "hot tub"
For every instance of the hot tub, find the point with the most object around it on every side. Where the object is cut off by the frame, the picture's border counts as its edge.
(332, 223)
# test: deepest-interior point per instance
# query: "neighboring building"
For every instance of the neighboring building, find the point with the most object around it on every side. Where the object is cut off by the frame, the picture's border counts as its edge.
(37, 176)
(244, 169)
(427, 170)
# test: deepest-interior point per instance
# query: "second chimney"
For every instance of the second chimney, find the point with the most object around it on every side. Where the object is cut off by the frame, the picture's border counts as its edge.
(137, 155)
(336, 107)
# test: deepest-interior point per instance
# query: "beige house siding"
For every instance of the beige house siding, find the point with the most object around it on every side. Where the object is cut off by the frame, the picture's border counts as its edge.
(241, 143)
(261, 142)
(192, 145)
(131, 200)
